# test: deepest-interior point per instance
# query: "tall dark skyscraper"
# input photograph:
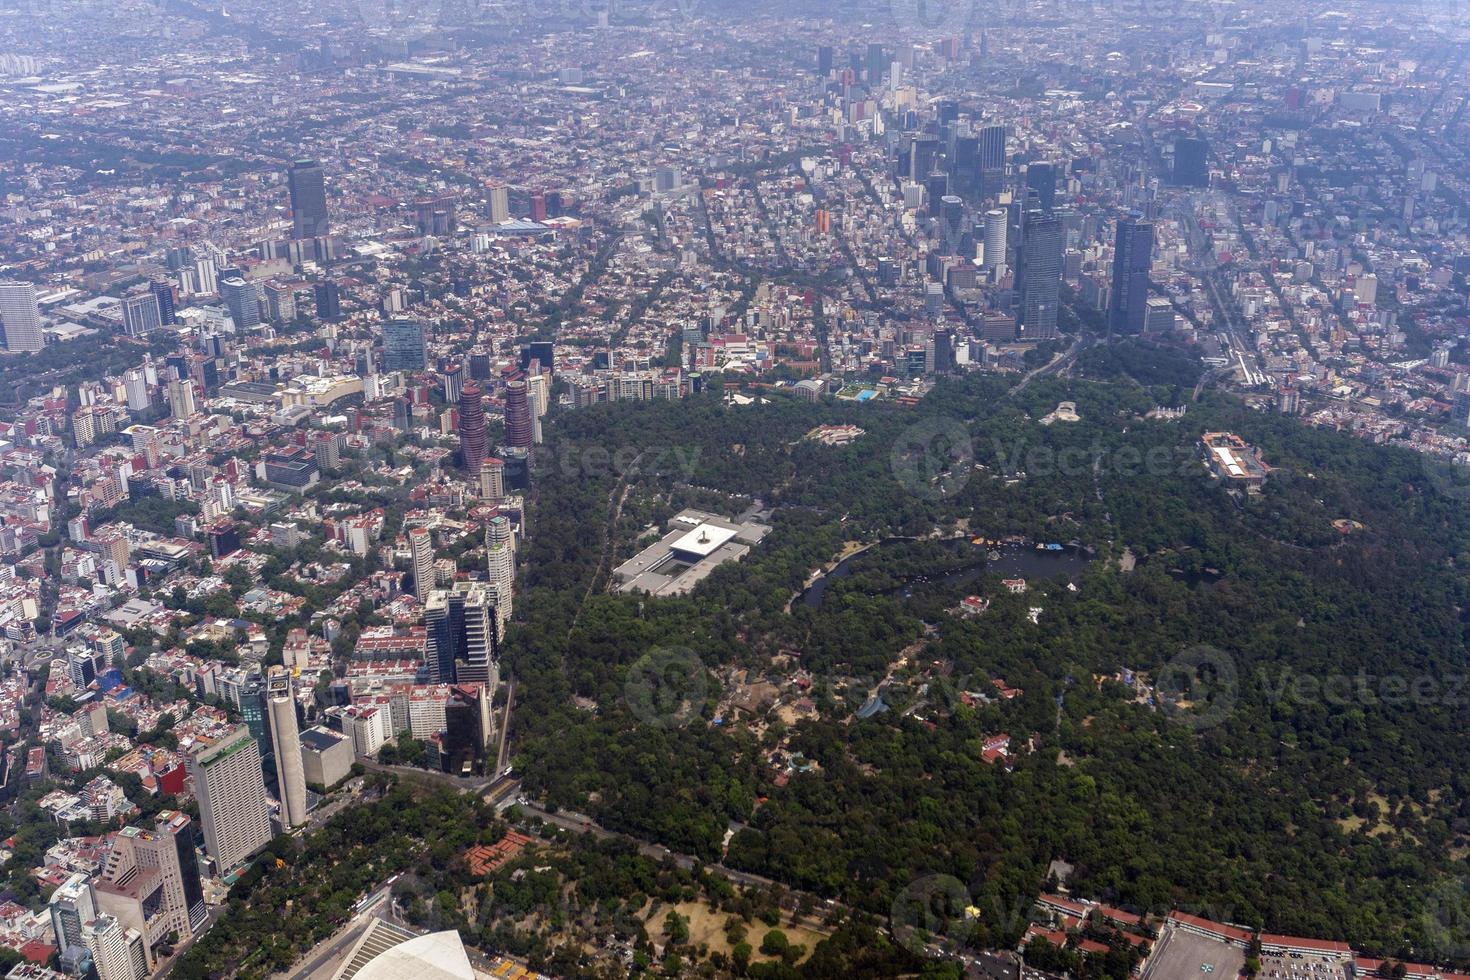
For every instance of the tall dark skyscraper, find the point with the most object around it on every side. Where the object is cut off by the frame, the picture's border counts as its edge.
(991, 162)
(824, 60)
(877, 63)
(518, 428)
(920, 156)
(1132, 254)
(165, 295)
(1039, 275)
(936, 186)
(472, 428)
(328, 300)
(403, 346)
(993, 148)
(1041, 177)
(967, 155)
(308, 200)
(538, 350)
(254, 710)
(1191, 162)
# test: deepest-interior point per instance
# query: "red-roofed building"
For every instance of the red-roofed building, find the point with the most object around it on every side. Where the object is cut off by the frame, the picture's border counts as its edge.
(1119, 917)
(36, 951)
(1054, 936)
(485, 859)
(1059, 939)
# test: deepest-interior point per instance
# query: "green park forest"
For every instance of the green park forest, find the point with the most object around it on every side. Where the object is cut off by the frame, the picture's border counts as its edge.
(1295, 812)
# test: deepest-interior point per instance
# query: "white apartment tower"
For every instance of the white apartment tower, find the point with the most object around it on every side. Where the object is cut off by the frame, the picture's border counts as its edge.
(113, 949)
(231, 793)
(20, 316)
(421, 549)
(181, 397)
(73, 905)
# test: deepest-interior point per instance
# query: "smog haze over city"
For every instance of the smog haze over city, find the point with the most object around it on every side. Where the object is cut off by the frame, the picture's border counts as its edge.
(811, 490)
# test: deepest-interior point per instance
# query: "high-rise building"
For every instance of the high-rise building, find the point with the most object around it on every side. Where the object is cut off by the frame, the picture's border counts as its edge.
(501, 562)
(164, 291)
(1039, 275)
(452, 379)
(403, 346)
(181, 397)
(436, 215)
(1132, 256)
(1191, 162)
(499, 204)
(991, 160)
(519, 431)
(245, 689)
(543, 352)
(996, 224)
(72, 905)
(472, 438)
(280, 302)
(421, 548)
(178, 829)
(936, 187)
(326, 756)
(468, 726)
(242, 299)
(464, 634)
(326, 446)
(150, 881)
(1041, 177)
(206, 277)
(443, 635)
(952, 222)
(231, 793)
(492, 477)
(141, 314)
(20, 316)
(992, 149)
(877, 61)
(112, 948)
(286, 738)
(308, 188)
(824, 60)
(328, 300)
(135, 383)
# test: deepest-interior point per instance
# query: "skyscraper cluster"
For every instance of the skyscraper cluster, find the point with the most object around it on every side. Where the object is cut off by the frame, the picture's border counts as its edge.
(147, 892)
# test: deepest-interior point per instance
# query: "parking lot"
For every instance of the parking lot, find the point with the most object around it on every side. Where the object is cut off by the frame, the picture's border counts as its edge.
(1181, 955)
(1302, 967)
